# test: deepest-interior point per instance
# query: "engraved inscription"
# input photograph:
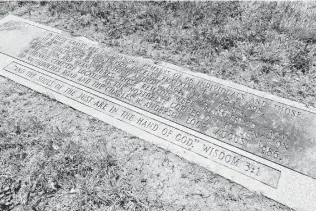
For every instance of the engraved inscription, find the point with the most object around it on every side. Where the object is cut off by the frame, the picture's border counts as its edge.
(232, 160)
(280, 133)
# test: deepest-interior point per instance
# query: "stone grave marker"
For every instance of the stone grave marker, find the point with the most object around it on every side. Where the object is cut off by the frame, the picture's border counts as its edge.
(261, 141)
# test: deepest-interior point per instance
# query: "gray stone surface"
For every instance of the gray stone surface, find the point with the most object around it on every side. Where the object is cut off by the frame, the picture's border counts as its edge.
(261, 141)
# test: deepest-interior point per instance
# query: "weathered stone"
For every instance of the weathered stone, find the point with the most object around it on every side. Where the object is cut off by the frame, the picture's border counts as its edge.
(261, 141)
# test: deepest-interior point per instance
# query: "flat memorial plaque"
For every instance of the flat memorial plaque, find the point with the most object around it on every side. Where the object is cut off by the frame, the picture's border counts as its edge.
(264, 142)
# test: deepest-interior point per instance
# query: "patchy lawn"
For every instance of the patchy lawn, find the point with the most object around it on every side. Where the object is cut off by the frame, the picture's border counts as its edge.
(56, 158)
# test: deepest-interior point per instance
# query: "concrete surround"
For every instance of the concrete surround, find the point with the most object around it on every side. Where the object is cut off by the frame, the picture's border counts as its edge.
(261, 141)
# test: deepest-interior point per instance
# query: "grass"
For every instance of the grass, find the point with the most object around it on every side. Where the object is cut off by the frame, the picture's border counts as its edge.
(265, 45)
(49, 162)
(44, 167)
